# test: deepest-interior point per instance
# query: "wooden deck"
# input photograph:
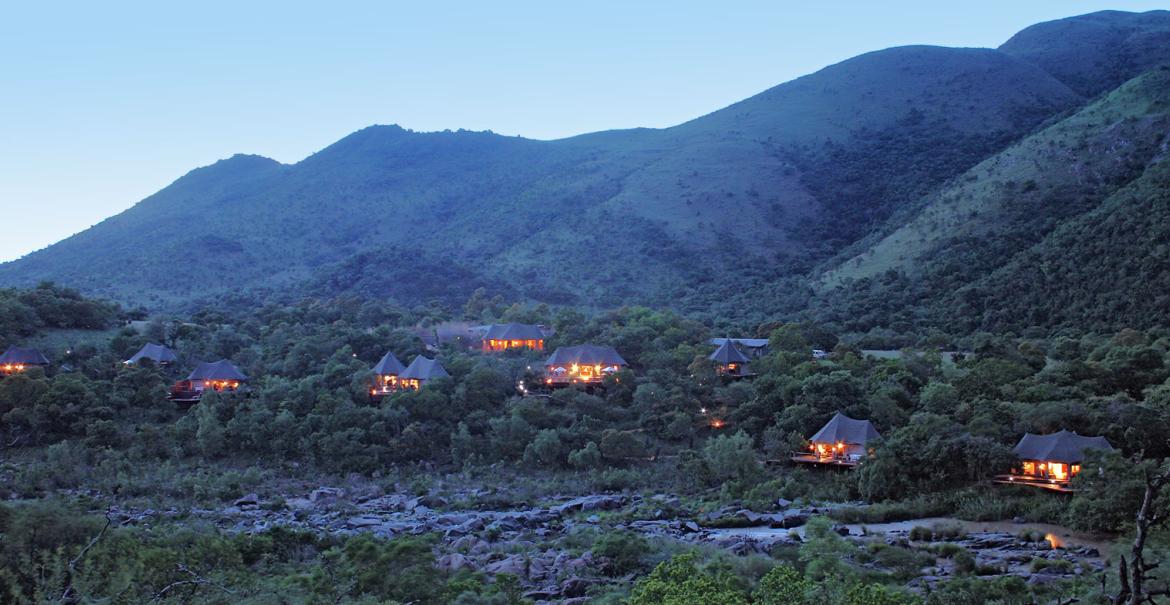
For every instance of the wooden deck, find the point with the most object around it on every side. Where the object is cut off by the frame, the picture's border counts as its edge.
(1053, 485)
(837, 461)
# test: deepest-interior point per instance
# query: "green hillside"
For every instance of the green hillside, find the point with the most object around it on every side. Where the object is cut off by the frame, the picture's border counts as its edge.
(877, 163)
(1027, 237)
(599, 219)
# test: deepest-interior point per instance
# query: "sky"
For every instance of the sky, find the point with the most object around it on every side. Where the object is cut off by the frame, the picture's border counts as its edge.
(102, 104)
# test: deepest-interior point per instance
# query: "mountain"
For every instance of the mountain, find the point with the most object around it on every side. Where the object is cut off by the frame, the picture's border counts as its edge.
(755, 210)
(1097, 52)
(1065, 227)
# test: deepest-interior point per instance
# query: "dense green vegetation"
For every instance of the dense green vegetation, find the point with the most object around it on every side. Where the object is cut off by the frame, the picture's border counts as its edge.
(947, 427)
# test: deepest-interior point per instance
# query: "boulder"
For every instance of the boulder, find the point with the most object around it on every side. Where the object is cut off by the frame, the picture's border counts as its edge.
(248, 500)
(453, 562)
(326, 494)
(363, 521)
(575, 587)
(513, 565)
(590, 503)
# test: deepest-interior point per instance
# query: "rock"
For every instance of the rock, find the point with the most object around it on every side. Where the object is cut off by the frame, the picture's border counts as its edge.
(593, 519)
(575, 587)
(513, 565)
(841, 530)
(783, 503)
(249, 500)
(326, 494)
(690, 526)
(590, 503)
(363, 521)
(453, 562)
(789, 520)
(1042, 579)
(541, 594)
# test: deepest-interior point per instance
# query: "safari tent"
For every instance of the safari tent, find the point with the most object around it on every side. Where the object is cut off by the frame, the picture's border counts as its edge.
(159, 354)
(511, 336)
(582, 364)
(386, 374)
(220, 376)
(1051, 461)
(18, 359)
(730, 361)
(842, 441)
(420, 371)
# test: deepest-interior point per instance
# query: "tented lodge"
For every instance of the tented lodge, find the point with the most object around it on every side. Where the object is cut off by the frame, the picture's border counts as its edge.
(753, 347)
(730, 361)
(582, 364)
(842, 441)
(159, 354)
(220, 376)
(420, 372)
(386, 374)
(17, 359)
(512, 336)
(1051, 461)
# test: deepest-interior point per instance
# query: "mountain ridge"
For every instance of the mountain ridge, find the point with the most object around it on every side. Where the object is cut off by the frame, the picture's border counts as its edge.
(763, 191)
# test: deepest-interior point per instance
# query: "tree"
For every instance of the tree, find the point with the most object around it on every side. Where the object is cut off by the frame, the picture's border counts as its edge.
(824, 552)
(731, 457)
(680, 581)
(783, 585)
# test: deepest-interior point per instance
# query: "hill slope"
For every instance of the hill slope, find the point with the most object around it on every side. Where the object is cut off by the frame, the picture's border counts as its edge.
(1025, 237)
(752, 198)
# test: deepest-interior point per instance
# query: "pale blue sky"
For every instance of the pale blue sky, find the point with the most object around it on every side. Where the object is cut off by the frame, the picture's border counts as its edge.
(101, 104)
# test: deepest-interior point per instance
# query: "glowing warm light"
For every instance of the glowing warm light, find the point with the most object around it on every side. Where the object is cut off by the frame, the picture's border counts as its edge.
(717, 424)
(1054, 540)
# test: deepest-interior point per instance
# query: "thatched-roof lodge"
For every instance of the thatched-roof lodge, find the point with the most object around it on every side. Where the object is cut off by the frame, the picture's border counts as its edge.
(582, 364)
(730, 361)
(842, 441)
(419, 372)
(503, 337)
(386, 374)
(220, 376)
(1051, 461)
(18, 359)
(159, 354)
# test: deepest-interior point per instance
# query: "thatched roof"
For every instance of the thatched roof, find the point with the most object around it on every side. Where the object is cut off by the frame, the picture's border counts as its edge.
(424, 369)
(728, 353)
(585, 355)
(843, 429)
(219, 370)
(157, 353)
(389, 365)
(513, 332)
(22, 356)
(1065, 446)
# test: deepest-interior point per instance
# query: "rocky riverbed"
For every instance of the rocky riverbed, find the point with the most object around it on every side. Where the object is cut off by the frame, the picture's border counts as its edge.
(526, 541)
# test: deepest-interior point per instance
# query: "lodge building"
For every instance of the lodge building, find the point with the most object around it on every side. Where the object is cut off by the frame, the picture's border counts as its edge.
(1051, 461)
(421, 371)
(512, 336)
(841, 442)
(730, 361)
(159, 354)
(386, 374)
(582, 364)
(221, 376)
(17, 359)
